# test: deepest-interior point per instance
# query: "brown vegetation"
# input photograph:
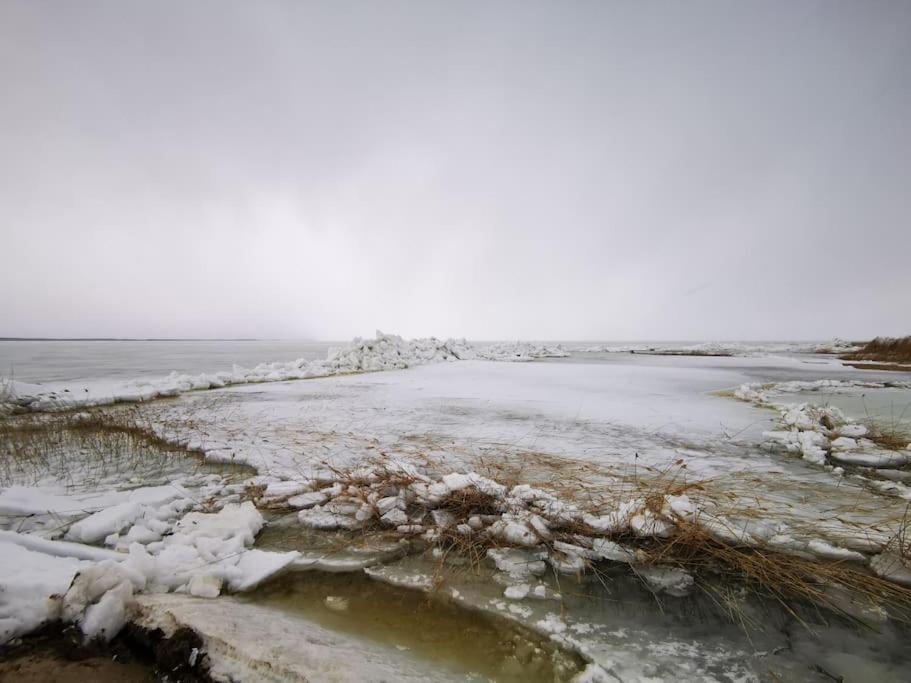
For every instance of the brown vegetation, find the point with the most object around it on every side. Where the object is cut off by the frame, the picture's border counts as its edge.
(844, 587)
(886, 350)
(79, 448)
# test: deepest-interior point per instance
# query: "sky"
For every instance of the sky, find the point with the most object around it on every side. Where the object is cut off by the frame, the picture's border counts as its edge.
(493, 170)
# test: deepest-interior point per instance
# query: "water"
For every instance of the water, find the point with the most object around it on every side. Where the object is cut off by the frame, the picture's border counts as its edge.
(613, 614)
(58, 451)
(888, 407)
(79, 360)
(456, 616)
(64, 361)
(477, 645)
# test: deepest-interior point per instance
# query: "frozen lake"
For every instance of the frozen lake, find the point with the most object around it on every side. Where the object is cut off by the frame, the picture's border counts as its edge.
(75, 361)
(595, 427)
(41, 361)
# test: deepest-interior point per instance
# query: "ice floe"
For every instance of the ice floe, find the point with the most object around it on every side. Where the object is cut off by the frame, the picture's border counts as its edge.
(383, 352)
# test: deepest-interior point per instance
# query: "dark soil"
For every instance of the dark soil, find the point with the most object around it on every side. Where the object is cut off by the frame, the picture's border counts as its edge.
(56, 654)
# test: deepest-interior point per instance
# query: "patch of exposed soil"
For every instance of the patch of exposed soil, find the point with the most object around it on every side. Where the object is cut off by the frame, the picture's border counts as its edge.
(56, 654)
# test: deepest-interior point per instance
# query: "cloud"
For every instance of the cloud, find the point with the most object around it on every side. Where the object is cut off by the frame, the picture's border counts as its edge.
(498, 170)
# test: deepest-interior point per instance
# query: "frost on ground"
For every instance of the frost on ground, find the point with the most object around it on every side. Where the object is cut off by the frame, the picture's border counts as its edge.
(537, 469)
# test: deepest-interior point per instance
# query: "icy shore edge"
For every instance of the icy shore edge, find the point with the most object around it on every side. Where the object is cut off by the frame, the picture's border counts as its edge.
(384, 352)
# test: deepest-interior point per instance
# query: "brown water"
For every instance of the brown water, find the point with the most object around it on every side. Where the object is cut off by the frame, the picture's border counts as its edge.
(478, 645)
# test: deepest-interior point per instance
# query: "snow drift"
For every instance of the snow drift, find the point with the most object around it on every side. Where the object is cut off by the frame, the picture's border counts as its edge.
(384, 352)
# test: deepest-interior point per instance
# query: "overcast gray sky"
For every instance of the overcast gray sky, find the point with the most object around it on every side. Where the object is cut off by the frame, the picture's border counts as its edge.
(562, 170)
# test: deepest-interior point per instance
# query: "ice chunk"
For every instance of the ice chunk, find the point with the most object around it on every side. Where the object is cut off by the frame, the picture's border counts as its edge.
(30, 581)
(518, 563)
(517, 592)
(307, 500)
(889, 565)
(97, 526)
(670, 580)
(255, 566)
(608, 550)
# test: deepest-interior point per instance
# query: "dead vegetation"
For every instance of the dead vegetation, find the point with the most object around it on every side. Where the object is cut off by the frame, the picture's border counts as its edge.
(841, 587)
(87, 447)
(462, 522)
(892, 437)
(889, 353)
(892, 432)
(123, 440)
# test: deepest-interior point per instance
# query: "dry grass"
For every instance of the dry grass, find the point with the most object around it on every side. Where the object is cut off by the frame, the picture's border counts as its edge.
(884, 349)
(891, 433)
(784, 577)
(843, 587)
(85, 447)
(36, 443)
(890, 437)
(900, 545)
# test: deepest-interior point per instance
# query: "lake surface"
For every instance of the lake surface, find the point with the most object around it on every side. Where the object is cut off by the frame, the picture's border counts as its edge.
(62, 361)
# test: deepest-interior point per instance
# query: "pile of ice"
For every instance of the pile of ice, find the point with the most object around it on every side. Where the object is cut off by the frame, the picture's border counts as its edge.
(391, 352)
(154, 546)
(161, 541)
(521, 351)
(822, 434)
(531, 528)
(384, 352)
(727, 348)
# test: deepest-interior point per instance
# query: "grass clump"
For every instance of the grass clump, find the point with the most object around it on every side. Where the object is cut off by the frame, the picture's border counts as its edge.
(100, 446)
(883, 349)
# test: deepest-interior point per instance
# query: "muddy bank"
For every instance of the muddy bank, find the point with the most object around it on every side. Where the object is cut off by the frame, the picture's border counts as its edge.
(58, 654)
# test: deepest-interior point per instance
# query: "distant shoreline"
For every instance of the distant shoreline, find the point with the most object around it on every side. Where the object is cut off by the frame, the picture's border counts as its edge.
(167, 339)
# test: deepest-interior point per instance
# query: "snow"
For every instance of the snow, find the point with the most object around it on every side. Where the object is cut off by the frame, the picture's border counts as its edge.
(28, 583)
(249, 642)
(593, 673)
(833, 346)
(880, 458)
(384, 352)
(831, 552)
(441, 423)
(30, 500)
(518, 563)
(307, 500)
(255, 566)
(552, 624)
(891, 566)
(203, 552)
(103, 523)
(517, 592)
(823, 433)
(57, 548)
(608, 550)
(670, 580)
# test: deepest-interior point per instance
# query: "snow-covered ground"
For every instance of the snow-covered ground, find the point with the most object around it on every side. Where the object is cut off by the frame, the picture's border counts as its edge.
(539, 437)
(384, 352)
(730, 348)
